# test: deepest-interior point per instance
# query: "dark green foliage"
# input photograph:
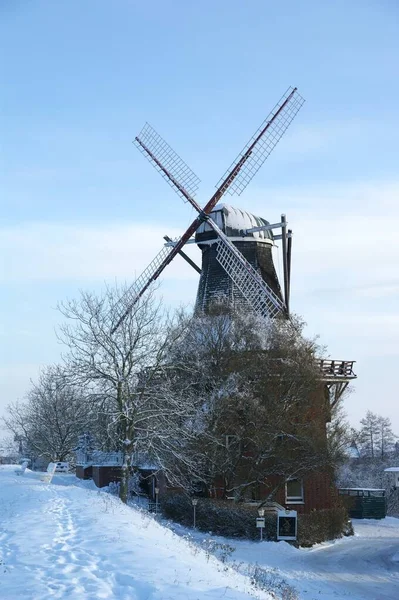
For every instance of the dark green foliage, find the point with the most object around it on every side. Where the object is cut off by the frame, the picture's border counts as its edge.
(321, 525)
(227, 519)
(219, 517)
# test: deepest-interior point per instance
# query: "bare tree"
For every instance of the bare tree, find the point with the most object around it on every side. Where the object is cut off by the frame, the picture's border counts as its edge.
(124, 371)
(375, 438)
(369, 434)
(341, 437)
(10, 447)
(51, 416)
(386, 437)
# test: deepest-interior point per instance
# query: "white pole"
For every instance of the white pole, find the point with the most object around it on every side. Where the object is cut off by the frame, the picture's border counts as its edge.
(194, 502)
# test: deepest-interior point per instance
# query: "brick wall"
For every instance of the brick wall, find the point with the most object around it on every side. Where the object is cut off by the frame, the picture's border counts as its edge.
(318, 490)
(84, 472)
(103, 476)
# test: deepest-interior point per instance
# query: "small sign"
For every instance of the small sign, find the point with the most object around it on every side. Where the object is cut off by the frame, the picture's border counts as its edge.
(260, 522)
(287, 524)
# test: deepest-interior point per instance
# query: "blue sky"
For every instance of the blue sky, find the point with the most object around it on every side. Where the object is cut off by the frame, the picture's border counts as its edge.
(81, 207)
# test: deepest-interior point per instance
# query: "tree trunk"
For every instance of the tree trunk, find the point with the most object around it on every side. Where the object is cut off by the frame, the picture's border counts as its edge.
(124, 485)
(126, 438)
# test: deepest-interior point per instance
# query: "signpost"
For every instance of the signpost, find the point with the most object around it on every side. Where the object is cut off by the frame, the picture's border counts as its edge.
(260, 521)
(194, 502)
(287, 525)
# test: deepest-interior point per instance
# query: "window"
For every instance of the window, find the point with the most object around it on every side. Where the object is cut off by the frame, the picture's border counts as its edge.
(294, 491)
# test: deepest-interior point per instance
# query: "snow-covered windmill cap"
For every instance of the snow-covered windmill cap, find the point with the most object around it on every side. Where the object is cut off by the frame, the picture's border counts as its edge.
(234, 222)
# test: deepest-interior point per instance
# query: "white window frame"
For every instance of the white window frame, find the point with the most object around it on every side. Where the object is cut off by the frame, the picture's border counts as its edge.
(294, 499)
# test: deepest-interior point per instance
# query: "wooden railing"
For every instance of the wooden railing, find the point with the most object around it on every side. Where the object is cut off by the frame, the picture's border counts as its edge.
(337, 369)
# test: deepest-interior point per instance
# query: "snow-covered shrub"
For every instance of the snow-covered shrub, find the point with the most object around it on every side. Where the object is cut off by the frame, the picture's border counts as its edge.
(113, 488)
(218, 516)
(222, 551)
(134, 484)
(134, 488)
(270, 580)
(365, 473)
(321, 525)
(393, 502)
(370, 473)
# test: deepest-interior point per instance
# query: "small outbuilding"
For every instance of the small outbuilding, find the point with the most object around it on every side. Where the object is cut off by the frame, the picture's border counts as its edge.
(364, 503)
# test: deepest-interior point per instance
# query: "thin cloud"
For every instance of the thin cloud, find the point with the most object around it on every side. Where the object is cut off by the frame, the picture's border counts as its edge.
(327, 136)
(55, 252)
(379, 288)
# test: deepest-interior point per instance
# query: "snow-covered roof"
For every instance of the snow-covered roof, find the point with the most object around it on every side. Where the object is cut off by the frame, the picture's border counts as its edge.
(233, 222)
(392, 470)
(352, 451)
(362, 489)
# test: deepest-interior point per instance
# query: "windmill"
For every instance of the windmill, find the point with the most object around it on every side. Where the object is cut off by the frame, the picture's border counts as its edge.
(258, 293)
(262, 293)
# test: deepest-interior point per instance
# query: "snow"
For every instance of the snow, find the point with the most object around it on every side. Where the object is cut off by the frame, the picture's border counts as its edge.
(69, 540)
(234, 221)
(361, 567)
(362, 489)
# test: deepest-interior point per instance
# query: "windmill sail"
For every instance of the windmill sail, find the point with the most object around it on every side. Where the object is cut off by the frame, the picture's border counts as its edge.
(126, 302)
(262, 143)
(167, 162)
(256, 291)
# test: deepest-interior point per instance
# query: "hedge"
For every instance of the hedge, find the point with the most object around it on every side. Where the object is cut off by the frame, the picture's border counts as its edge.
(228, 519)
(321, 525)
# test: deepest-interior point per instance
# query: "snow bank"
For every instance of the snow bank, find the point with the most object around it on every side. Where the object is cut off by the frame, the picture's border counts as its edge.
(65, 541)
(68, 540)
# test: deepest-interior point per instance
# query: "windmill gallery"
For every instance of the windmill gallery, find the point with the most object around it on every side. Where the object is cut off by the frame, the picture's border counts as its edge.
(237, 268)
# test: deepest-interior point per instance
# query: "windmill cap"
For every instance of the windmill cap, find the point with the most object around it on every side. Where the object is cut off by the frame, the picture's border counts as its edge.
(234, 222)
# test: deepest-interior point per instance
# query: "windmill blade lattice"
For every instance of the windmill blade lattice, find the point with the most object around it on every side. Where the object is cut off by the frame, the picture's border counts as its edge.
(263, 142)
(260, 296)
(126, 302)
(167, 162)
(256, 291)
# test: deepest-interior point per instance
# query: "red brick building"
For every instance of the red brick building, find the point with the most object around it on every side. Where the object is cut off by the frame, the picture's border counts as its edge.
(313, 490)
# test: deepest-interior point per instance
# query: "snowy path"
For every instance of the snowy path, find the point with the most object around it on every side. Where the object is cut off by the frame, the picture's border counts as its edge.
(59, 541)
(362, 567)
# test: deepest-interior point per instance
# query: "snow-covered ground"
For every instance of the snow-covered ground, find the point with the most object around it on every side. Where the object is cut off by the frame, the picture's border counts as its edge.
(362, 567)
(68, 540)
